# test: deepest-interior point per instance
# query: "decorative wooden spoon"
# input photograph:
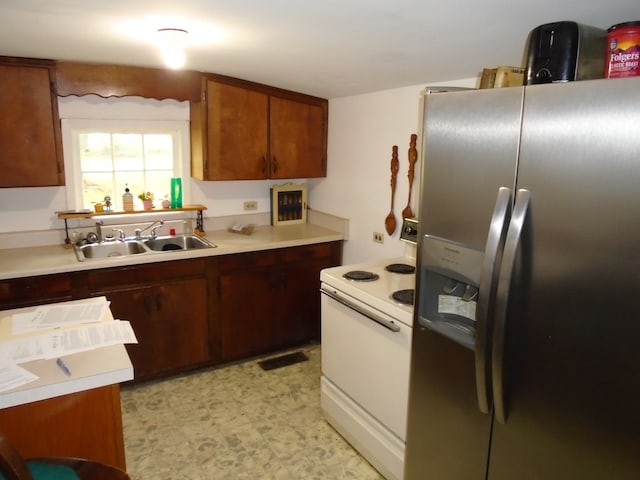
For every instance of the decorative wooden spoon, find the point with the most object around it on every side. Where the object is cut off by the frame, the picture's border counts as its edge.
(390, 221)
(413, 156)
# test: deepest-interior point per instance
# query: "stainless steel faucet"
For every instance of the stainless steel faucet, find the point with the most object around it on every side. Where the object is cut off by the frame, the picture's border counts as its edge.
(99, 224)
(153, 233)
(121, 234)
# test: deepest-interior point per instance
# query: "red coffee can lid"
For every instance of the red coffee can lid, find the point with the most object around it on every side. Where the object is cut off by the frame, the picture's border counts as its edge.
(618, 26)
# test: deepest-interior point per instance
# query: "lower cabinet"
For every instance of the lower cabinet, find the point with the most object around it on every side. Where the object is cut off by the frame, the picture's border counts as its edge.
(197, 312)
(270, 299)
(84, 424)
(246, 298)
(167, 306)
(297, 311)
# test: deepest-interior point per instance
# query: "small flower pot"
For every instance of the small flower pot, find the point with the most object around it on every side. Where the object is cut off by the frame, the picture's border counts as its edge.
(147, 204)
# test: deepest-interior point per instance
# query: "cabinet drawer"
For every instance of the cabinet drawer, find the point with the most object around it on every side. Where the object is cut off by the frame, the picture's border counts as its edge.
(306, 252)
(140, 274)
(232, 263)
(34, 290)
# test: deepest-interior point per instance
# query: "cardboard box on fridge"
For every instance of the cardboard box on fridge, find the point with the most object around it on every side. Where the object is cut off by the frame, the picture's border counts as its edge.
(503, 76)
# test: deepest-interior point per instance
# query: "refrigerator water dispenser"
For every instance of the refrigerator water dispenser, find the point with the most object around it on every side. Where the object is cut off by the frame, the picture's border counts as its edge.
(449, 289)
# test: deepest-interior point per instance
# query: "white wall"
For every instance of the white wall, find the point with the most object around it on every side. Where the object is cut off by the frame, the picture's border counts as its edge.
(362, 131)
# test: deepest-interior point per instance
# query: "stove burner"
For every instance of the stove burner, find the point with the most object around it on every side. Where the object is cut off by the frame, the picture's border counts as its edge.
(400, 268)
(361, 276)
(403, 296)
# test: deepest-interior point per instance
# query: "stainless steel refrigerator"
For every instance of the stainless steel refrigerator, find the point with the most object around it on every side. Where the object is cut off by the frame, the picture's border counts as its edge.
(526, 341)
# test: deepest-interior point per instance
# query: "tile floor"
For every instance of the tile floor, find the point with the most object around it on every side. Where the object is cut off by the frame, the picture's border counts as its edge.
(236, 422)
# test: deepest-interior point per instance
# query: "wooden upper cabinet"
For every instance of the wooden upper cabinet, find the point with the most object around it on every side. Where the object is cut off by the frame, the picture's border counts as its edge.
(240, 130)
(248, 132)
(30, 139)
(237, 133)
(297, 139)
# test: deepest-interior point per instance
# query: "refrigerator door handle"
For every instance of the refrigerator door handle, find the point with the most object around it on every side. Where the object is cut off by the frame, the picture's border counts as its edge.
(488, 280)
(514, 234)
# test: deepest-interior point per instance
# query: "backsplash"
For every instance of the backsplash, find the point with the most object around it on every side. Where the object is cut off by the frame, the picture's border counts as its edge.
(183, 223)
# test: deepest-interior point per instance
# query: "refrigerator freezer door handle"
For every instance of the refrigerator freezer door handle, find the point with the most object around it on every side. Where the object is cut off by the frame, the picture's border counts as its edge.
(488, 280)
(514, 233)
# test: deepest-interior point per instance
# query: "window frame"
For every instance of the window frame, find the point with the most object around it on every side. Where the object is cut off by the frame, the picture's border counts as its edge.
(72, 127)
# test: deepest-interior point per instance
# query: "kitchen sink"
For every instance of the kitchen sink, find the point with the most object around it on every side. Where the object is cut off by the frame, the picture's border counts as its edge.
(108, 249)
(177, 242)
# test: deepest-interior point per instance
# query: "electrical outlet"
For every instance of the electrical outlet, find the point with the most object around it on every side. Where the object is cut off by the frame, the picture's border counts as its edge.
(250, 205)
(378, 237)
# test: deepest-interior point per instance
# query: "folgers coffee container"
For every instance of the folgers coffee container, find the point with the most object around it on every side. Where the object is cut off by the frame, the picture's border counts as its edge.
(623, 50)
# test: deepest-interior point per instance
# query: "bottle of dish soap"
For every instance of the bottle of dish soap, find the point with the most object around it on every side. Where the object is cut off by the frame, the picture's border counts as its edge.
(127, 200)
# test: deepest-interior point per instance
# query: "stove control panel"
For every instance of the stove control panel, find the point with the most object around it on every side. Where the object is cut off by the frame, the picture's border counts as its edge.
(409, 232)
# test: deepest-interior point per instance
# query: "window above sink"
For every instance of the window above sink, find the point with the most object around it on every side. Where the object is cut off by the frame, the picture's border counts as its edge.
(110, 143)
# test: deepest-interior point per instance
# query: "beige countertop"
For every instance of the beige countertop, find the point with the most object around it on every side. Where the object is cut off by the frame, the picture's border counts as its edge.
(50, 259)
(91, 369)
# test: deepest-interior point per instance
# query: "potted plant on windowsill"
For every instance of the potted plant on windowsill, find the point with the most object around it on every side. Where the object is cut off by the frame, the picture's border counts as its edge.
(147, 200)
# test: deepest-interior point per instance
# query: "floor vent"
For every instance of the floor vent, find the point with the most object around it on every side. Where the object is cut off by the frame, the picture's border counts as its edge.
(283, 361)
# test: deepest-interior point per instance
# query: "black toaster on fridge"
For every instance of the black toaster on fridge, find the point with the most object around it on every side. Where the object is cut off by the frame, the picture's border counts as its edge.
(564, 52)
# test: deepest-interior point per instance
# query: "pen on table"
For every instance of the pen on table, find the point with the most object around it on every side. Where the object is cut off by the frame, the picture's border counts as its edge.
(63, 366)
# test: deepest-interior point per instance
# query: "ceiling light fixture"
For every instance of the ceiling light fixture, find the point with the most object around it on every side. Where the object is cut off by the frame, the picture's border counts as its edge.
(171, 45)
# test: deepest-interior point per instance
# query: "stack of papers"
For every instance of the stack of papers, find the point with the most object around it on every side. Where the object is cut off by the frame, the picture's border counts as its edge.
(52, 331)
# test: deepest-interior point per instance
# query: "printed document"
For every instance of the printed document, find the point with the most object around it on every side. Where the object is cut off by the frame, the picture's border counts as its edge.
(13, 376)
(56, 316)
(57, 343)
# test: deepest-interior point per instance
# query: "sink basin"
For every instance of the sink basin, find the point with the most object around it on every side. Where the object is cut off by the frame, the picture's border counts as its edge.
(96, 251)
(106, 250)
(177, 242)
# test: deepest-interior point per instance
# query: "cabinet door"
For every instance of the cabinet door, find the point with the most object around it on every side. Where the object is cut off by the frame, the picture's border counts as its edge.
(237, 121)
(170, 323)
(297, 305)
(245, 303)
(85, 424)
(29, 128)
(297, 294)
(246, 313)
(271, 299)
(297, 139)
(130, 305)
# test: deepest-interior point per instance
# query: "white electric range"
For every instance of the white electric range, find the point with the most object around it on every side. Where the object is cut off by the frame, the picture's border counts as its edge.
(367, 315)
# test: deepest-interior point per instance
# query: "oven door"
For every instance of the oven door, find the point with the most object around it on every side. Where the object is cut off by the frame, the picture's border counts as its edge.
(366, 354)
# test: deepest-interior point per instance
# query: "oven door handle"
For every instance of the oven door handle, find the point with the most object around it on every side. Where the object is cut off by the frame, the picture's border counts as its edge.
(389, 324)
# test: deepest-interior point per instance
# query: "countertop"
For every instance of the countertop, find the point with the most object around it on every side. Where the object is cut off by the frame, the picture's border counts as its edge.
(51, 259)
(91, 369)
